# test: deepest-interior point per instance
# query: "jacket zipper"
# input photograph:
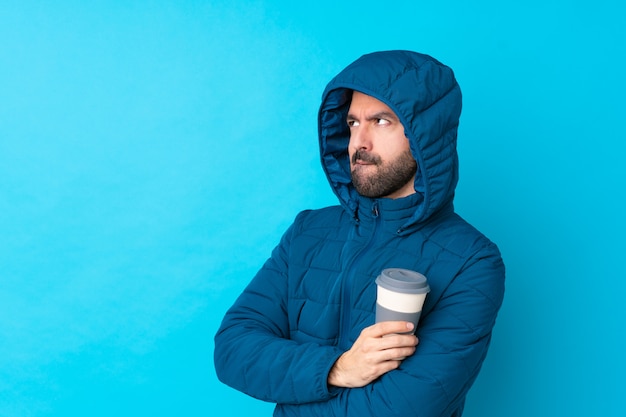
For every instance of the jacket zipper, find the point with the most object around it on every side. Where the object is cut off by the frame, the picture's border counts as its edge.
(346, 310)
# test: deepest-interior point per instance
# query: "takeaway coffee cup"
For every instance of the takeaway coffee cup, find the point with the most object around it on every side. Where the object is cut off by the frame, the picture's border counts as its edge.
(400, 295)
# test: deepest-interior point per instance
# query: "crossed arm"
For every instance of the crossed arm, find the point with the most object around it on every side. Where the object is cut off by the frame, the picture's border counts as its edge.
(255, 354)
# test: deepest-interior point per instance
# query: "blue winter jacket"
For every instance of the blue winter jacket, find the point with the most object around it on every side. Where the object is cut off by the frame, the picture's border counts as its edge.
(314, 295)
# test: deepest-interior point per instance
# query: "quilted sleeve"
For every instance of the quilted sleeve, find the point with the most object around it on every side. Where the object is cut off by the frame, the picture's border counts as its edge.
(253, 353)
(454, 338)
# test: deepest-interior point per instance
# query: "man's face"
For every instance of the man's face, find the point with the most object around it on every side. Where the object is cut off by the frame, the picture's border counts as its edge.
(381, 163)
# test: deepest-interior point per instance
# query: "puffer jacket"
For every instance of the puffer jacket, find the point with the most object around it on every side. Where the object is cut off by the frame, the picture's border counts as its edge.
(316, 293)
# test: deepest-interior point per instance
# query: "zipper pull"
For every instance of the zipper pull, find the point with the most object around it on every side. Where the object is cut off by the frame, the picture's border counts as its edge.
(375, 209)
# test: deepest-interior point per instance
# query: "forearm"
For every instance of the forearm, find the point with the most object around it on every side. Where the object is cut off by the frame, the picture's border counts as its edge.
(394, 394)
(272, 368)
(254, 352)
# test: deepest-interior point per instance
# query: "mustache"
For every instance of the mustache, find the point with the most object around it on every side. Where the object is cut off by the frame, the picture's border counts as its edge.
(364, 156)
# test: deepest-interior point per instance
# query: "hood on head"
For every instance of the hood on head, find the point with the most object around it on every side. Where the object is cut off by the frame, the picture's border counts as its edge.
(425, 96)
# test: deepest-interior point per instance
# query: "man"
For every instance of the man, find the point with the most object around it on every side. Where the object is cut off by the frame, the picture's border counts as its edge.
(302, 333)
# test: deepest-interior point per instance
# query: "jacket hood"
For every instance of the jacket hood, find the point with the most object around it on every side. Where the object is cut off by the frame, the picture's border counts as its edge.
(425, 96)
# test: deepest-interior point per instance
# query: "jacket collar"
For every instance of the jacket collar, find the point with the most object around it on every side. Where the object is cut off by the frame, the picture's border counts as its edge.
(393, 213)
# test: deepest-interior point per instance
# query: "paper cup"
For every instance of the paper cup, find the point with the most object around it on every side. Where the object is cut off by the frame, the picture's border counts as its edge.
(400, 295)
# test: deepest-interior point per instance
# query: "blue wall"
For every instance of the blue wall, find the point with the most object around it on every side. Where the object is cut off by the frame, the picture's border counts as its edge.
(153, 152)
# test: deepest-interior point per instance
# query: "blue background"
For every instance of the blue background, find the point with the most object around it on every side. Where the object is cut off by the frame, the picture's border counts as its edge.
(153, 152)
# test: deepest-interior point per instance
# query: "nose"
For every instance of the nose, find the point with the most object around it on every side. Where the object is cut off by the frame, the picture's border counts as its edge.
(360, 139)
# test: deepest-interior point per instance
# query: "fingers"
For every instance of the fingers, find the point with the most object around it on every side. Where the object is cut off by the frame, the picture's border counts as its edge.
(397, 354)
(388, 327)
(396, 340)
(388, 336)
(384, 342)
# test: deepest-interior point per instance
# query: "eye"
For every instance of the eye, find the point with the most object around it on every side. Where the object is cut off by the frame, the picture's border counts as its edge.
(382, 122)
(352, 123)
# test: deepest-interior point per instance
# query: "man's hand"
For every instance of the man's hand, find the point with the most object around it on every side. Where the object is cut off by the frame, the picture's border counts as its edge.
(379, 349)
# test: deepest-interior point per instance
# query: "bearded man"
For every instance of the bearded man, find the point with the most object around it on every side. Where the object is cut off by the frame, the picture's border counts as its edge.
(302, 333)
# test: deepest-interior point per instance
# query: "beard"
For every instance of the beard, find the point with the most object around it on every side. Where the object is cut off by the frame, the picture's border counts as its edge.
(387, 178)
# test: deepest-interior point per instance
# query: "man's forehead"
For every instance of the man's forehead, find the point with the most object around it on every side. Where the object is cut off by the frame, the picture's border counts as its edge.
(361, 101)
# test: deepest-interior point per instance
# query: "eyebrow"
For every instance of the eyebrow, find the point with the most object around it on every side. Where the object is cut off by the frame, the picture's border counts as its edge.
(380, 115)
